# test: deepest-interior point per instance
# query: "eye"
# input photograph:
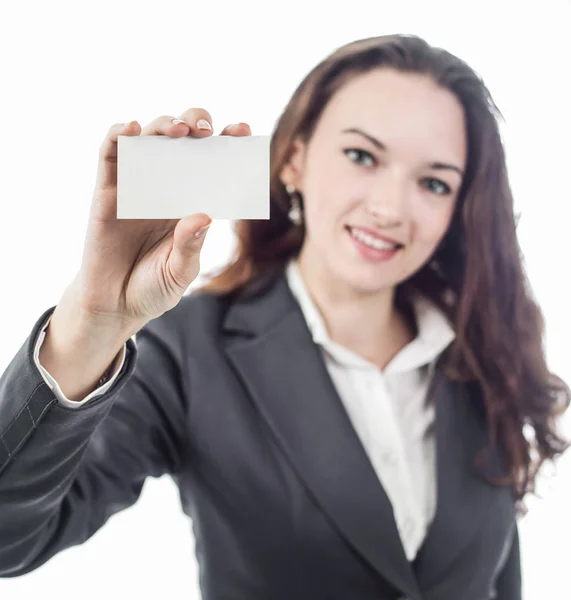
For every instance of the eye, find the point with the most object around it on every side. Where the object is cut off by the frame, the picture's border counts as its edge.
(358, 152)
(445, 189)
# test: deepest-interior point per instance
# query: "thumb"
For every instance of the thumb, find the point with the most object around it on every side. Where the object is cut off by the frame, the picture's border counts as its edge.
(184, 259)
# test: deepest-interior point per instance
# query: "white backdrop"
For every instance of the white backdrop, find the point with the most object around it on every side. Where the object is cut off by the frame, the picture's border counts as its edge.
(72, 69)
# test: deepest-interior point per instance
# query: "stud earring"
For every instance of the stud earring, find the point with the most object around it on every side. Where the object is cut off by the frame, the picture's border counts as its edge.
(294, 214)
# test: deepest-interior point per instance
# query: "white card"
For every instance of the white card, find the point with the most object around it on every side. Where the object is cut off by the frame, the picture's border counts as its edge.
(226, 177)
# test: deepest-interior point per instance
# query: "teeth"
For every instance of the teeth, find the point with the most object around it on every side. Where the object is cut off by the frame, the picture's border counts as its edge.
(371, 241)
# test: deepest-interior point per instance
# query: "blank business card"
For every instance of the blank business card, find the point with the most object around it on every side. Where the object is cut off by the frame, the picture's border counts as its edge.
(226, 177)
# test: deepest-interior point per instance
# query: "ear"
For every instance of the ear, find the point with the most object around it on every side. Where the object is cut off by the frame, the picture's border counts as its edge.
(292, 171)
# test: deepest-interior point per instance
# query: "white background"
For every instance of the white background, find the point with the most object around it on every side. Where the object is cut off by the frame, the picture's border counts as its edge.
(69, 70)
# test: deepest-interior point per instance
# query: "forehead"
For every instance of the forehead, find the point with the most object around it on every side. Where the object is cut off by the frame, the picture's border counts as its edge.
(397, 108)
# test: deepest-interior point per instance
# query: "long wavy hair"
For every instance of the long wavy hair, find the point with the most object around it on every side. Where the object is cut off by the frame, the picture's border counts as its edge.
(476, 274)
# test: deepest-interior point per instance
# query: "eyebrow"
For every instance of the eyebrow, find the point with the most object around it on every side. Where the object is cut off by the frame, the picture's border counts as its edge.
(381, 146)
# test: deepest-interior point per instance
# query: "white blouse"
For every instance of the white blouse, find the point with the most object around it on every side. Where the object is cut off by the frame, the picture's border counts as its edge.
(386, 408)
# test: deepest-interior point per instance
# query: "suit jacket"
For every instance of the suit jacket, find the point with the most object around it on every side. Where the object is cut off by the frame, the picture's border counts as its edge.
(231, 397)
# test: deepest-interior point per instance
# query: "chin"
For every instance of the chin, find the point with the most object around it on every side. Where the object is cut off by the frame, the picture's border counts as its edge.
(364, 279)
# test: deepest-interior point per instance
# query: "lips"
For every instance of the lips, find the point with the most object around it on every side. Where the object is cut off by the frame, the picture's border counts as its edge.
(373, 236)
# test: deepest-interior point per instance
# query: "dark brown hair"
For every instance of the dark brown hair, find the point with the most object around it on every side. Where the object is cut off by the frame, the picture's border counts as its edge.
(499, 326)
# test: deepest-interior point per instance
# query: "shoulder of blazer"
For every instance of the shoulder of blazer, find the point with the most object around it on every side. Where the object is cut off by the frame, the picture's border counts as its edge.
(262, 299)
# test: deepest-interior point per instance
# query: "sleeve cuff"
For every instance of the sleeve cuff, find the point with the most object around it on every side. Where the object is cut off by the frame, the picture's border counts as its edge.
(52, 383)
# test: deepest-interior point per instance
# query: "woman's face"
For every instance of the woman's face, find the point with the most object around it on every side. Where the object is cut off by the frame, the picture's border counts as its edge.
(384, 178)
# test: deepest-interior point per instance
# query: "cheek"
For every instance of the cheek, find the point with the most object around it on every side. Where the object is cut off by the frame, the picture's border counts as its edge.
(327, 211)
(430, 227)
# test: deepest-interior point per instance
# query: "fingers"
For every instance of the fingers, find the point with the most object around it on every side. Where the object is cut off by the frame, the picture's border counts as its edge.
(238, 130)
(194, 122)
(107, 167)
(183, 263)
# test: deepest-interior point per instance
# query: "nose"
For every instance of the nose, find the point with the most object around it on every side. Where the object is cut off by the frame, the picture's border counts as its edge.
(386, 215)
(387, 199)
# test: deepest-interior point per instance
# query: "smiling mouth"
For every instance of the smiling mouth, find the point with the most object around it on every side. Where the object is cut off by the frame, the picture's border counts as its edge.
(371, 241)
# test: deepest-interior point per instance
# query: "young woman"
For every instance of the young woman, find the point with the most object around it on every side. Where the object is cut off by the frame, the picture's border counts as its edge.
(355, 406)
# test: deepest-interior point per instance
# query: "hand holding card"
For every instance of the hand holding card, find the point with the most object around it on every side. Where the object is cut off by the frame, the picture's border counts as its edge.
(136, 267)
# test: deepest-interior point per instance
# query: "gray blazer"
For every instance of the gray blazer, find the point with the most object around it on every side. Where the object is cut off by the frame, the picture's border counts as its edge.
(231, 397)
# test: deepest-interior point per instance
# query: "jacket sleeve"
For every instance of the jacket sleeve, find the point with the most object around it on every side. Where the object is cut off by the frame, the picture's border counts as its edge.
(64, 472)
(509, 581)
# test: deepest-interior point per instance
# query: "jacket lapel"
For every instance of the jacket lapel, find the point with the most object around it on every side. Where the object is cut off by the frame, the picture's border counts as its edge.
(285, 374)
(464, 498)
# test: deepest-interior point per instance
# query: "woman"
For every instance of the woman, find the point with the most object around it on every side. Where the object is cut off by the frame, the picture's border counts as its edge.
(355, 406)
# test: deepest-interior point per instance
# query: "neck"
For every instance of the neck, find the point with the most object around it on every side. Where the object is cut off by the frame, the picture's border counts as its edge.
(367, 323)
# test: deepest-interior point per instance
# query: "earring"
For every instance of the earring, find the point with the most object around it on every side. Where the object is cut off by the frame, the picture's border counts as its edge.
(434, 264)
(294, 214)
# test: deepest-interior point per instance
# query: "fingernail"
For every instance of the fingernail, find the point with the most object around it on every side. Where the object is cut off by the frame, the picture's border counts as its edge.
(200, 232)
(203, 124)
(129, 123)
(175, 121)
